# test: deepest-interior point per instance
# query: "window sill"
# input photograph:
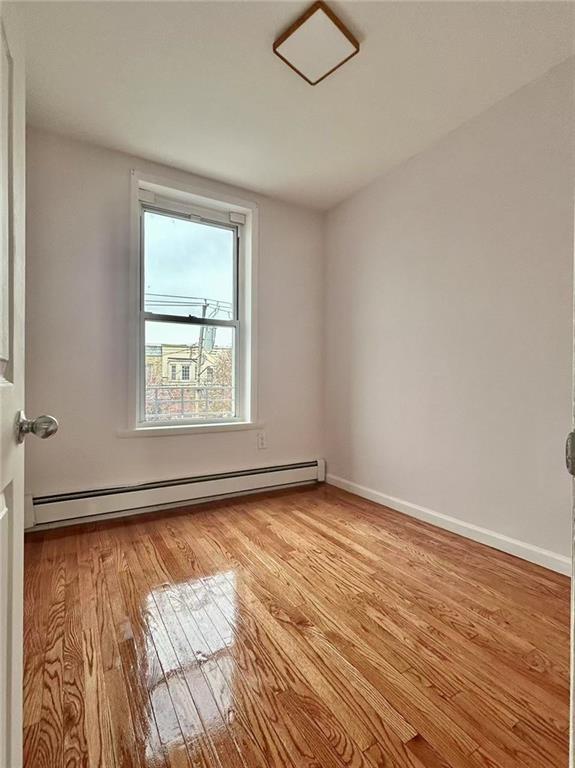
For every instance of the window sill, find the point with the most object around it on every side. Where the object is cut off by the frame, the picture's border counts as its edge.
(188, 429)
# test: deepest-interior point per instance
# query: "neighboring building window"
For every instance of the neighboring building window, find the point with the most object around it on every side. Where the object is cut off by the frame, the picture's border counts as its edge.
(192, 308)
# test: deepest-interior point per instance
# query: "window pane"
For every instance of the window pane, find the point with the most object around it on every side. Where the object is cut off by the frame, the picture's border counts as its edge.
(190, 372)
(188, 267)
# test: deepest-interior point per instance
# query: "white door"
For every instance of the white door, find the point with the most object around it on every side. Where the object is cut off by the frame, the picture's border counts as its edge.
(11, 388)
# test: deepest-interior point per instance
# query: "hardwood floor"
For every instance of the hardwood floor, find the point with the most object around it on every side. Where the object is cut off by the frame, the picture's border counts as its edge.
(307, 628)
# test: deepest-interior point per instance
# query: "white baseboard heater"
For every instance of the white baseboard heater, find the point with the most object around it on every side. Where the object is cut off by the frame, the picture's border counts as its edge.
(123, 499)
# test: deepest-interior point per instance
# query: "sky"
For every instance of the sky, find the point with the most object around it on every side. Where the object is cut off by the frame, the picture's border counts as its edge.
(186, 259)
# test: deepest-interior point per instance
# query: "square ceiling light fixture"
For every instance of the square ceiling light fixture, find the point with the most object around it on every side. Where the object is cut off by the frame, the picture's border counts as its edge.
(316, 44)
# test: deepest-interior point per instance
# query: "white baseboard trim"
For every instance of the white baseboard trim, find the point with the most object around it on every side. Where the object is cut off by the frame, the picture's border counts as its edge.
(522, 549)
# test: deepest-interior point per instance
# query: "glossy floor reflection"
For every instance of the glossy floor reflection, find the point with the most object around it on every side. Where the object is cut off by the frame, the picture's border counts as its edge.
(307, 628)
(190, 629)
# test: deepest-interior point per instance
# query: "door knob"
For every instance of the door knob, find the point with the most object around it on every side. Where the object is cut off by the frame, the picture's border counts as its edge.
(42, 427)
(570, 453)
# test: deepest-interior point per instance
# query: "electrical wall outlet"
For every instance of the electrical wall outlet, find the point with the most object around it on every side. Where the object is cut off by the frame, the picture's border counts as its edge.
(262, 442)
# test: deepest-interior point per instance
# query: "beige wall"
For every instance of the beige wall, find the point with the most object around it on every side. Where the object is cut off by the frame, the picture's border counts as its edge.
(77, 329)
(449, 332)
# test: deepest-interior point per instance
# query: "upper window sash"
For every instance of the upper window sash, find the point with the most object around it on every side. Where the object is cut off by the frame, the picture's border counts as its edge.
(189, 320)
(189, 213)
(217, 213)
(212, 218)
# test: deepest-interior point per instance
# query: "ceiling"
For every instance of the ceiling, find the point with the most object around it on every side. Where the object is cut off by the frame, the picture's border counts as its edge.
(196, 85)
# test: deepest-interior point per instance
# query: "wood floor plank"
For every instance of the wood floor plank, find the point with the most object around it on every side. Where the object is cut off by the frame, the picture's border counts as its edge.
(524, 582)
(74, 695)
(265, 648)
(50, 737)
(450, 613)
(305, 628)
(35, 613)
(205, 660)
(465, 747)
(97, 715)
(138, 670)
(488, 635)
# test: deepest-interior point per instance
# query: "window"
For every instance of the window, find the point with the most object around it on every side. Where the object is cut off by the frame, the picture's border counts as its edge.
(195, 311)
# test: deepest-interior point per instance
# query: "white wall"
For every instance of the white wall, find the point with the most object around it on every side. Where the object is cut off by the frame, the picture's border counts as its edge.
(77, 328)
(449, 332)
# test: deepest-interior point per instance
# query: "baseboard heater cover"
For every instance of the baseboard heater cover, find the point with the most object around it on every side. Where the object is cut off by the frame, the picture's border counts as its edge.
(101, 501)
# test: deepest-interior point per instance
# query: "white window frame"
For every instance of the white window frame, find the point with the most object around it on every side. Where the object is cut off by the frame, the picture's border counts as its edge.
(211, 204)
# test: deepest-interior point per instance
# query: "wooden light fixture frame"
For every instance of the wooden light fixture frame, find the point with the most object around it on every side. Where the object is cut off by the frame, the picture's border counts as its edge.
(317, 6)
